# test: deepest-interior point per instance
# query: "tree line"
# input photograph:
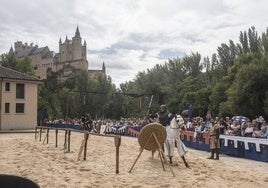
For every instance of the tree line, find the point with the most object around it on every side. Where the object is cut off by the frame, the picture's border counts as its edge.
(232, 81)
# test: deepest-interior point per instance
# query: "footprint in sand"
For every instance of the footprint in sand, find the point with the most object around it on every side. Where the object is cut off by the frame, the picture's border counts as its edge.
(84, 169)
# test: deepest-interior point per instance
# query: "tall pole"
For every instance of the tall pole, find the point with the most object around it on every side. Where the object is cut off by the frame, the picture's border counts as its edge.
(150, 104)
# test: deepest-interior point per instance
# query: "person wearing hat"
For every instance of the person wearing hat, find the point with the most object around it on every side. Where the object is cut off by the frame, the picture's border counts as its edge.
(164, 118)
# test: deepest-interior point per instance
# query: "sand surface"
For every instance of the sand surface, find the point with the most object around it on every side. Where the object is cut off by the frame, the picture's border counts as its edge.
(51, 167)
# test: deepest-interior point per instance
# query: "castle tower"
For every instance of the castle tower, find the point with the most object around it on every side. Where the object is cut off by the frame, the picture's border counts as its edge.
(63, 50)
(73, 53)
(77, 49)
(18, 46)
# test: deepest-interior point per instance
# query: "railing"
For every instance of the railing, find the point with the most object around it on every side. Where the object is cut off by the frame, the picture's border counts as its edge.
(244, 147)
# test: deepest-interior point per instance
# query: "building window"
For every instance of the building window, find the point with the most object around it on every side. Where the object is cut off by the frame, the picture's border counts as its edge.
(7, 86)
(6, 107)
(20, 91)
(19, 107)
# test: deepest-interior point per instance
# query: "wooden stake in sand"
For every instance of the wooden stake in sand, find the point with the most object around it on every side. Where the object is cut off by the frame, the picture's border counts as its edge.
(46, 137)
(117, 142)
(65, 140)
(83, 147)
(56, 131)
(151, 138)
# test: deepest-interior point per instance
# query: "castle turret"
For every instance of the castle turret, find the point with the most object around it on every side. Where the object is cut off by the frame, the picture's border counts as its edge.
(103, 68)
(11, 51)
(77, 33)
(77, 49)
(18, 46)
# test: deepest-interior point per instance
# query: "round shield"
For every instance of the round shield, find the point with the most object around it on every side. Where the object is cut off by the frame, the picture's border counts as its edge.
(145, 133)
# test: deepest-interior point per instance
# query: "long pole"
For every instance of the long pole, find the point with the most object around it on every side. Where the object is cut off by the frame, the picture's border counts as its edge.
(150, 104)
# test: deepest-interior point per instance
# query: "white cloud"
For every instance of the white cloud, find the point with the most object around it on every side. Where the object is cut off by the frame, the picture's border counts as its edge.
(131, 35)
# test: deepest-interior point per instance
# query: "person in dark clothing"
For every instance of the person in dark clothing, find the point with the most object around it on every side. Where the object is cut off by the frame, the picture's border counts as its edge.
(87, 122)
(164, 118)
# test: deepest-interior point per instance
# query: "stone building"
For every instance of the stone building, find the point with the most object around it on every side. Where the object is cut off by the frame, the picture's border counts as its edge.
(72, 56)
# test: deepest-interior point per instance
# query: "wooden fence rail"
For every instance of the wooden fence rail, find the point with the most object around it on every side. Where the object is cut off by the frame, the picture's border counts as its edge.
(67, 140)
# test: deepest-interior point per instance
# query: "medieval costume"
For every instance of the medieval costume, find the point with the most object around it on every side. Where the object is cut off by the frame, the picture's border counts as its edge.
(214, 140)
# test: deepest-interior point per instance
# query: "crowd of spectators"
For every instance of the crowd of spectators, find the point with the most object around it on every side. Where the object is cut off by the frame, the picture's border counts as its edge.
(103, 126)
(257, 128)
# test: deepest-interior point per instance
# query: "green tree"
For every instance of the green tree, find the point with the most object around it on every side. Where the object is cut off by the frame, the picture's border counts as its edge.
(23, 65)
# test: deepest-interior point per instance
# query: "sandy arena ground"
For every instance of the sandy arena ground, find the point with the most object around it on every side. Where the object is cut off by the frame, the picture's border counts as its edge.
(51, 167)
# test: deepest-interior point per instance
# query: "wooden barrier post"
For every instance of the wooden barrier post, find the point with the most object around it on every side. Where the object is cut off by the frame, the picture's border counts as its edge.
(47, 134)
(40, 134)
(65, 140)
(69, 139)
(85, 146)
(117, 142)
(56, 131)
(35, 133)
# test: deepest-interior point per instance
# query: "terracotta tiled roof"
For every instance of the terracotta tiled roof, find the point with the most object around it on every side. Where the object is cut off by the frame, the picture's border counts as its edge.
(6, 73)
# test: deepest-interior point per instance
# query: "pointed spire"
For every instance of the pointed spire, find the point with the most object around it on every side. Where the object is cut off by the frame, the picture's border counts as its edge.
(11, 51)
(66, 39)
(77, 33)
(103, 68)
(60, 41)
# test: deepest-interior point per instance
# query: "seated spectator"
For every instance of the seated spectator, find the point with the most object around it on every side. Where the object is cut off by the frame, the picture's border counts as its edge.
(235, 124)
(228, 131)
(201, 129)
(256, 124)
(263, 133)
(256, 131)
(249, 130)
(227, 122)
(236, 131)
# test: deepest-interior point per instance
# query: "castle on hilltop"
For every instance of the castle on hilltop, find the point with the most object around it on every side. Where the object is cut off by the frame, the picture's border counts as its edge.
(72, 56)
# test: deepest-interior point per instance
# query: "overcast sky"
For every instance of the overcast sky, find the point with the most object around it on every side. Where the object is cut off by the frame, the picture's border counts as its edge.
(130, 36)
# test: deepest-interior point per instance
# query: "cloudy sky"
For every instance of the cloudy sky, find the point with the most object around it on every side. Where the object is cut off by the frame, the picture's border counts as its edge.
(130, 36)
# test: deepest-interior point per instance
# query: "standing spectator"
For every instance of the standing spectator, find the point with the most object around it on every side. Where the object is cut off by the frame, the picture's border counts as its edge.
(191, 112)
(208, 116)
(223, 126)
(214, 141)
